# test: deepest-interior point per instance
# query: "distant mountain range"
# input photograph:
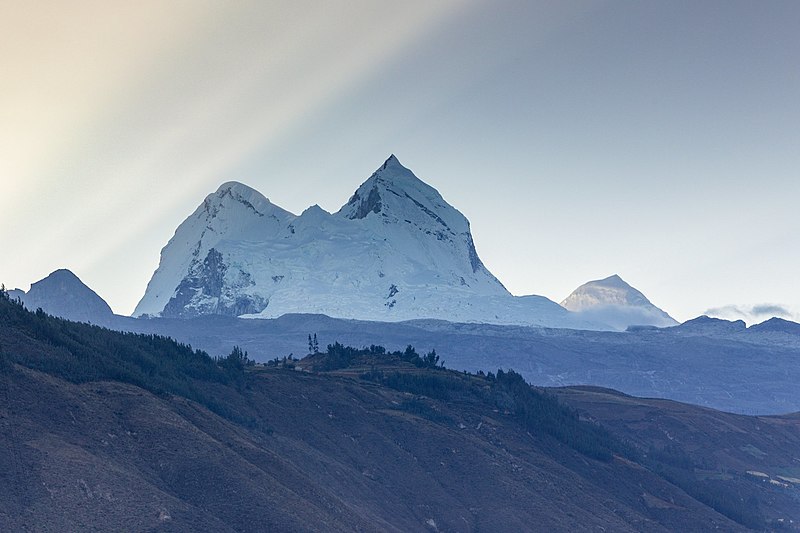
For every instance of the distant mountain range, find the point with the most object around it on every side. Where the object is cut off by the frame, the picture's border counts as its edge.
(705, 361)
(395, 251)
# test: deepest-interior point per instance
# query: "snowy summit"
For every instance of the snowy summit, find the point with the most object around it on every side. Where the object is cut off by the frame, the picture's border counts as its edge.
(612, 301)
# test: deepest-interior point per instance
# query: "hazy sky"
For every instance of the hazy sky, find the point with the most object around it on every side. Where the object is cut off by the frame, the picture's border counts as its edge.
(656, 140)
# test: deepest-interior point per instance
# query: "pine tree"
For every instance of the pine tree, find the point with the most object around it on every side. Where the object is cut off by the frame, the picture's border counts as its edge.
(431, 359)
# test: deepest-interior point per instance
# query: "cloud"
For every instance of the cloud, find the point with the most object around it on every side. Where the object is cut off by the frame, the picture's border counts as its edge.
(753, 314)
(724, 310)
(771, 310)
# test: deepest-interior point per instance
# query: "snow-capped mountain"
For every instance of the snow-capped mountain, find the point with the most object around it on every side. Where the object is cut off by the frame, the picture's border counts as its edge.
(64, 295)
(396, 251)
(612, 301)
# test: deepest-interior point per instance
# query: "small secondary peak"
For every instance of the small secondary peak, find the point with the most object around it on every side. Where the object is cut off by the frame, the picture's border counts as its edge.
(241, 197)
(612, 290)
(314, 212)
(63, 294)
(239, 192)
(315, 209)
(614, 281)
(614, 302)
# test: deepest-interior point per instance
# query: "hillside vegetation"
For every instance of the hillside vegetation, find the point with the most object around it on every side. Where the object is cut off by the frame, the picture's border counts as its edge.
(106, 430)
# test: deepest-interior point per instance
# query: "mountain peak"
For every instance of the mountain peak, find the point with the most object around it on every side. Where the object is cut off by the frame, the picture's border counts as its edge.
(391, 162)
(392, 172)
(315, 209)
(613, 301)
(234, 193)
(394, 178)
(63, 294)
(234, 186)
(234, 211)
(395, 192)
(62, 274)
(614, 279)
(610, 290)
(394, 197)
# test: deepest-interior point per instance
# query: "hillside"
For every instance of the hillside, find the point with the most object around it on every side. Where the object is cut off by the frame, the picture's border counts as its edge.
(747, 454)
(747, 371)
(121, 431)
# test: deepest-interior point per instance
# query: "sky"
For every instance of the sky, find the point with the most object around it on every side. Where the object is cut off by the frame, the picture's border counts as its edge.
(656, 140)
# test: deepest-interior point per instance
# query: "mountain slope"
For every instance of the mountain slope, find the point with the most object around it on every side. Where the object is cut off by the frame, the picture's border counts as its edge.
(612, 301)
(191, 279)
(63, 294)
(211, 447)
(757, 454)
(396, 251)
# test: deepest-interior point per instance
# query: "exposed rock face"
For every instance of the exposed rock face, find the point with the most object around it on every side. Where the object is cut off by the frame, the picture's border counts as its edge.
(365, 206)
(205, 292)
(197, 275)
